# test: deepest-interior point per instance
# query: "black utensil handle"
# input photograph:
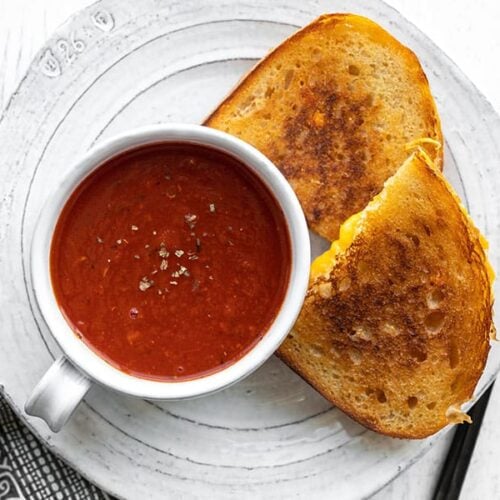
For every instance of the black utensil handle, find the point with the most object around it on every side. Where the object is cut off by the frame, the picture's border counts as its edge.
(460, 452)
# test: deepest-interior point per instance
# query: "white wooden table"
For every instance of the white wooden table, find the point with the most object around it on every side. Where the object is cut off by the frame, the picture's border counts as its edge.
(467, 31)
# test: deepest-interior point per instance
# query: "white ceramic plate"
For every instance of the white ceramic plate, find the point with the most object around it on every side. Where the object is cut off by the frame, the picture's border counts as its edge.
(120, 64)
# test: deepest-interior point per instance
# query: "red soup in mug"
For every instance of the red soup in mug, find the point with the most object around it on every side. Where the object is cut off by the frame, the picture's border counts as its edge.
(171, 261)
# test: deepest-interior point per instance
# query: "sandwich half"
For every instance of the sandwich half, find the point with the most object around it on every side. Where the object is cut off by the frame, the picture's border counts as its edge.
(333, 107)
(396, 324)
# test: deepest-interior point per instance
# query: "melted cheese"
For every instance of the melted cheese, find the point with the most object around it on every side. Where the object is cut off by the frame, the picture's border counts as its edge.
(422, 140)
(417, 145)
(323, 264)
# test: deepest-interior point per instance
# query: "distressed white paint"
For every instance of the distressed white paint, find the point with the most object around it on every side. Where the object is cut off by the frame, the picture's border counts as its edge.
(462, 29)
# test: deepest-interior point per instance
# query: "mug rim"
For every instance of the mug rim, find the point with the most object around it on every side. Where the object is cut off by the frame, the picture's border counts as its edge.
(80, 353)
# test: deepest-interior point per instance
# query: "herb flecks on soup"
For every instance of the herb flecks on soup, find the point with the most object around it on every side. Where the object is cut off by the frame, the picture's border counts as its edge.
(170, 261)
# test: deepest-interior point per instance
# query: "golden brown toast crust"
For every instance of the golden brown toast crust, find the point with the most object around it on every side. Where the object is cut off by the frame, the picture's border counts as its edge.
(333, 107)
(397, 334)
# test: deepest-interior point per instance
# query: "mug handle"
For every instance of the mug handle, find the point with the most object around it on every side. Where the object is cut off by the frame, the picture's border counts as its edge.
(59, 392)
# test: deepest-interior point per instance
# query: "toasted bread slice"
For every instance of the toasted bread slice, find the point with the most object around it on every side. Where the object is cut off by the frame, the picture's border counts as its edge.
(396, 324)
(334, 107)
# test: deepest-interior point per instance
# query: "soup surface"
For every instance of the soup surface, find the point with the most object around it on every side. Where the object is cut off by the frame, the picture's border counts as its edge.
(170, 261)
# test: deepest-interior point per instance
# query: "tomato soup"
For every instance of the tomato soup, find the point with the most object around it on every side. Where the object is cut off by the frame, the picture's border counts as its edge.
(171, 261)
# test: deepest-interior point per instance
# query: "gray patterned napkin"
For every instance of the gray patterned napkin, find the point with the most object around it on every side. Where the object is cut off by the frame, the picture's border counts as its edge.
(29, 471)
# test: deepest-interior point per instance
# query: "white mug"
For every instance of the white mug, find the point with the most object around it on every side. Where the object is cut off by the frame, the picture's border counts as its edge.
(64, 385)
